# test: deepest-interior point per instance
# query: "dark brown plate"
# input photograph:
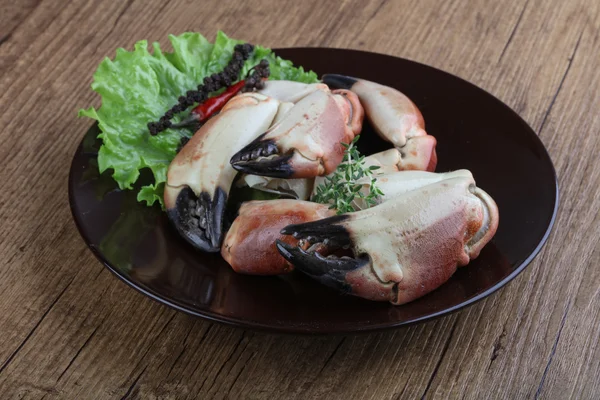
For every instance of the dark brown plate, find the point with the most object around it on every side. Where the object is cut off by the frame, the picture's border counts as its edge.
(474, 131)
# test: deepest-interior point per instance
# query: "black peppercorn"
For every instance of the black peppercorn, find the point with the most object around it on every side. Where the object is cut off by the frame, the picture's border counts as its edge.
(210, 84)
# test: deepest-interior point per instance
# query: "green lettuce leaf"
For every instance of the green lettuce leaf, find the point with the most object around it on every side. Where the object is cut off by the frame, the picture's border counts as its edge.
(139, 86)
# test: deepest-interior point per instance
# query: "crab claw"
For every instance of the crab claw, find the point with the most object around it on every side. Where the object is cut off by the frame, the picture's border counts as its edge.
(249, 246)
(199, 177)
(395, 118)
(307, 140)
(403, 248)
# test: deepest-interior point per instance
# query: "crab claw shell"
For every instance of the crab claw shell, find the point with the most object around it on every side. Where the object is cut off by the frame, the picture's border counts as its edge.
(405, 247)
(386, 160)
(395, 184)
(307, 141)
(418, 154)
(352, 109)
(290, 91)
(199, 177)
(249, 246)
(394, 116)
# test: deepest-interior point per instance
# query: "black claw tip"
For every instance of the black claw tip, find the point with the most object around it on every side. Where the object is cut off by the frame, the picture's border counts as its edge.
(274, 167)
(328, 271)
(323, 229)
(199, 219)
(336, 81)
(250, 153)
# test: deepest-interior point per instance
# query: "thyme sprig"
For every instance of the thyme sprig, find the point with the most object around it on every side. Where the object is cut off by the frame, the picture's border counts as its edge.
(341, 189)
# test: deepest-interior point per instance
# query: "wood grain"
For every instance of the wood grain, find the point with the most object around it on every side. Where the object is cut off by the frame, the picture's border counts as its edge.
(71, 330)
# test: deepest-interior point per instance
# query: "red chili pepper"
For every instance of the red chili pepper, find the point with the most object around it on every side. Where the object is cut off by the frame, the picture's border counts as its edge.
(205, 110)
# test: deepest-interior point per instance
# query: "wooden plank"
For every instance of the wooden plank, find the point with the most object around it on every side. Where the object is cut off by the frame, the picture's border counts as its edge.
(71, 330)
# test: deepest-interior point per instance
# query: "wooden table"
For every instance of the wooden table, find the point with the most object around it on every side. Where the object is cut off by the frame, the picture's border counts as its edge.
(69, 329)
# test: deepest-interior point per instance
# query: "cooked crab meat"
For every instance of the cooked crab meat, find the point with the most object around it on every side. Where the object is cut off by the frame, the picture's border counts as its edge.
(199, 177)
(403, 248)
(249, 246)
(395, 118)
(417, 155)
(307, 140)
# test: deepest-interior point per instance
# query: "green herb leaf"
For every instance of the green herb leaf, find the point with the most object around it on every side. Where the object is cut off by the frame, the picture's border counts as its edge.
(340, 188)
